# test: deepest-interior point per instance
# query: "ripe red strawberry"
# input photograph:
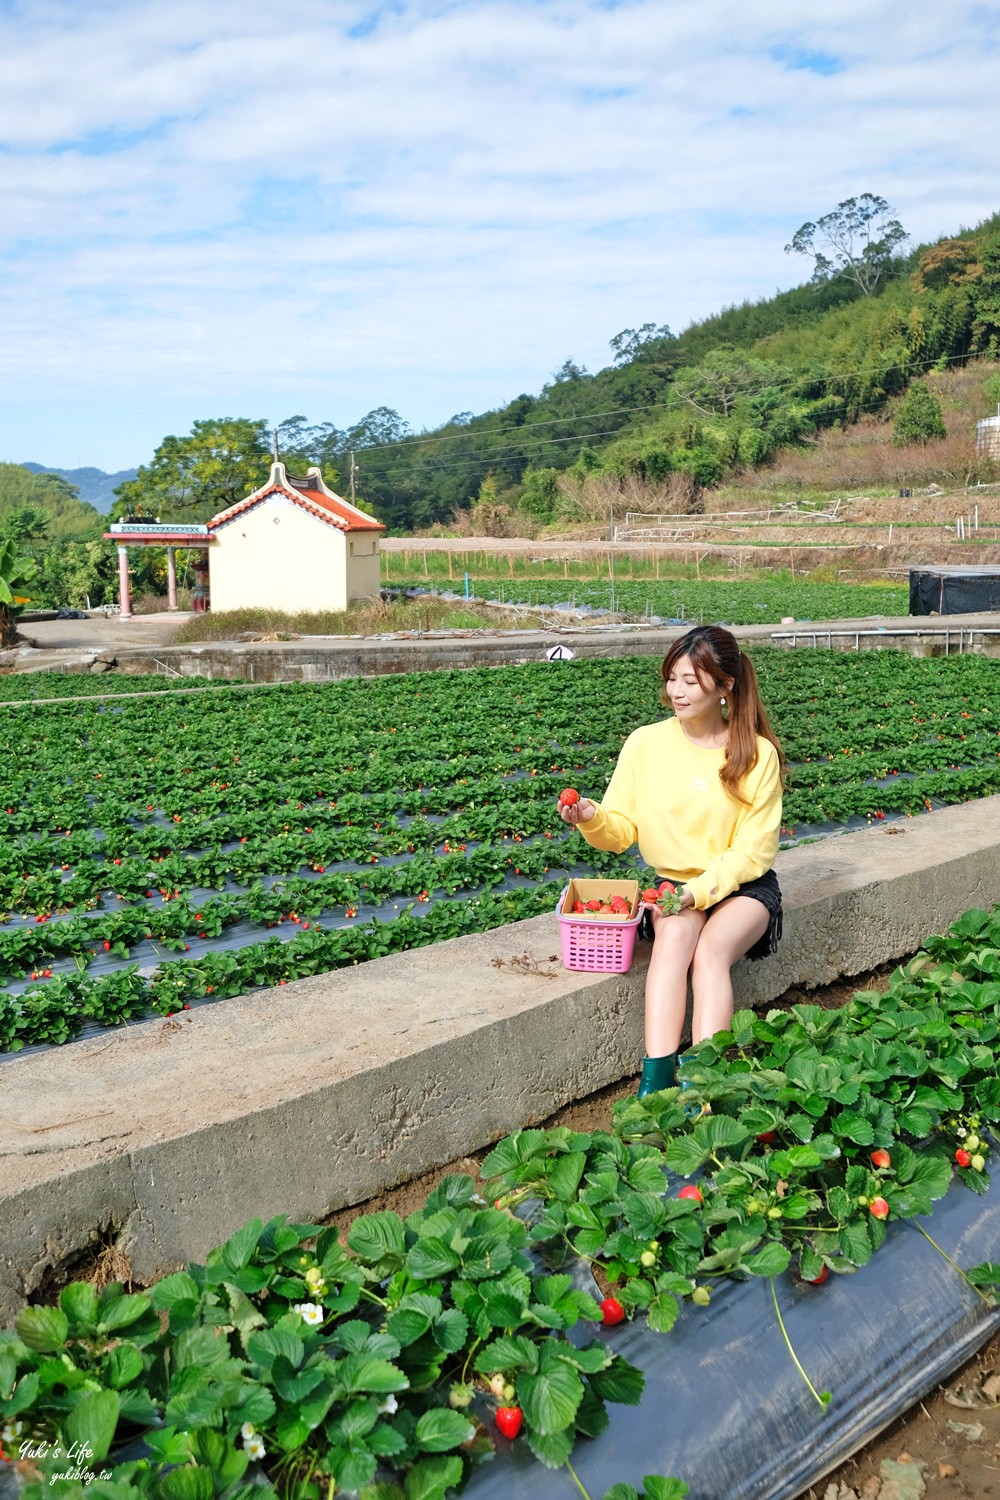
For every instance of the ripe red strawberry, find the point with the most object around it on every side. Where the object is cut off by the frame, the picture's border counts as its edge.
(592, 905)
(652, 894)
(509, 1419)
(667, 889)
(767, 1136)
(878, 1208)
(881, 1158)
(962, 1157)
(690, 1192)
(569, 797)
(578, 907)
(612, 1311)
(819, 1280)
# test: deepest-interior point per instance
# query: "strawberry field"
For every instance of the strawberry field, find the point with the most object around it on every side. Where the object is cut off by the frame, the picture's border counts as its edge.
(163, 850)
(731, 601)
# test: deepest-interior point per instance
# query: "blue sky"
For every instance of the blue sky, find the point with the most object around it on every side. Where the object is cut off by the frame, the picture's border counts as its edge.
(242, 209)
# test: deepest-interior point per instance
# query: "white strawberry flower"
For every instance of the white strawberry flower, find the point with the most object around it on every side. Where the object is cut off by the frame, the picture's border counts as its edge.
(254, 1447)
(247, 1430)
(310, 1312)
(11, 1431)
(388, 1407)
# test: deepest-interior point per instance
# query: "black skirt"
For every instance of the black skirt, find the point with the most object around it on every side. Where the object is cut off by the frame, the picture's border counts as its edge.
(764, 889)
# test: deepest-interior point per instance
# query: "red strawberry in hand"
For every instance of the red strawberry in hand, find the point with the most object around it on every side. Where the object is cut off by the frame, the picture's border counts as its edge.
(612, 1311)
(569, 797)
(509, 1419)
(651, 895)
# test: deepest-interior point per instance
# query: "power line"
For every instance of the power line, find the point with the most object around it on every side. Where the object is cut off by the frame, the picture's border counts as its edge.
(471, 463)
(823, 381)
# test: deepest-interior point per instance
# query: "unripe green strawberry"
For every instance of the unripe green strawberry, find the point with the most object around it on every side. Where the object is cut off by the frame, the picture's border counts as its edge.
(498, 1384)
(509, 1392)
(460, 1396)
(774, 1213)
(647, 1258)
(972, 1143)
(978, 1163)
(701, 1296)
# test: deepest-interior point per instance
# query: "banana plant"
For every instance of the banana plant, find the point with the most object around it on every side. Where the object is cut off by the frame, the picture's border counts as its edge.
(16, 572)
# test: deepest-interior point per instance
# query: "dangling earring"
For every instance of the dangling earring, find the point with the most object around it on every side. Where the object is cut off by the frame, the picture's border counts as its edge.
(723, 709)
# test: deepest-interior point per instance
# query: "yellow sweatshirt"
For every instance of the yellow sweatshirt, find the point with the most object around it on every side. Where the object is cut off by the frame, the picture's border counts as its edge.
(666, 796)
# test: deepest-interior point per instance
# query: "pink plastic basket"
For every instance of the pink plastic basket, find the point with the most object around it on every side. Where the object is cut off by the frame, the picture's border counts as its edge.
(597, 947)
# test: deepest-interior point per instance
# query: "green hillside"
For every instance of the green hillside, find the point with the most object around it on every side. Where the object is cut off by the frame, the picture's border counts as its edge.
(43, 506)
(669, 417)
(723, 396)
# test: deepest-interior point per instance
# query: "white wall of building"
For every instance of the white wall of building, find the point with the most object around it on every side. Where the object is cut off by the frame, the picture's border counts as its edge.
(277, 556)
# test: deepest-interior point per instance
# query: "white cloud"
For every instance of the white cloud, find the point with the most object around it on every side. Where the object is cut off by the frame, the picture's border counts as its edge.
(225, 208)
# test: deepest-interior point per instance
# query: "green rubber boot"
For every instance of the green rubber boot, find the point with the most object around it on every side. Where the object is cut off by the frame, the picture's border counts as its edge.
(657, 1073)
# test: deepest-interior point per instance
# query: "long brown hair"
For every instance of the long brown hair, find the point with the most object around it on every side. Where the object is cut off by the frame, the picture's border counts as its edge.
(716, 656)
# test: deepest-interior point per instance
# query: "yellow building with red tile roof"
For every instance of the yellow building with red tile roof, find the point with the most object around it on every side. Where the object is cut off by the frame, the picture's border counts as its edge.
(293, 545)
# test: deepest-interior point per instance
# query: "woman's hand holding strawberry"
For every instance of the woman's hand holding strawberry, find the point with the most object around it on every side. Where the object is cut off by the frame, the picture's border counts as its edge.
(574, 809)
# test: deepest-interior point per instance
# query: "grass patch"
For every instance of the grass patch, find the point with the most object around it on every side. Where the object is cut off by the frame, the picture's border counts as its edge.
(371, 617)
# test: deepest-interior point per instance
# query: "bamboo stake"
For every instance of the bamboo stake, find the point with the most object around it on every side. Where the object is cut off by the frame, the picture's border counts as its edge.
(450, 574)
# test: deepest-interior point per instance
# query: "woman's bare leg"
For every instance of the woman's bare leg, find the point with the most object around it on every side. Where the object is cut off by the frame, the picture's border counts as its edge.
(730, 932)
(674, 942)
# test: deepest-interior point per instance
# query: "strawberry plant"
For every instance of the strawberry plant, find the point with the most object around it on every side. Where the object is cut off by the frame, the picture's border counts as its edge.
(330, 1362)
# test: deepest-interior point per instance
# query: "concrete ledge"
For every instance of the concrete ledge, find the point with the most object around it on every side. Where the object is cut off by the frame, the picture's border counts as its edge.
(167, 1136)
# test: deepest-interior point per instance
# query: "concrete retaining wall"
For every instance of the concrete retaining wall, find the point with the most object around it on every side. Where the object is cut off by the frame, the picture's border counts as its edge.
(166, 1136)
(330, 658)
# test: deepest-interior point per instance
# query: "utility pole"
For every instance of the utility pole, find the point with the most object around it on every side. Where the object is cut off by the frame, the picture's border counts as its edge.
(612, 559)
(274, 442)
(354, 471)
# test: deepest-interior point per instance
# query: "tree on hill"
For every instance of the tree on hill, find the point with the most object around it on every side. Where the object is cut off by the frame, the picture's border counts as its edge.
(857, 240)
(66, 516)
(919, 418)
(986, 322)
(24, 523)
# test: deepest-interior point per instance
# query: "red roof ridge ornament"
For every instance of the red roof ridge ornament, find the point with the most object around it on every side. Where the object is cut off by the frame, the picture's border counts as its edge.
(310, 493)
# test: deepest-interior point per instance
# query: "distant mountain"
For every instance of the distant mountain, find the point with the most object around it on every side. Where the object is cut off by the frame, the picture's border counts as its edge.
(95, 486)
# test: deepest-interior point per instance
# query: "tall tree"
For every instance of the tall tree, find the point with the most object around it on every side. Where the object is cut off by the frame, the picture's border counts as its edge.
(194, 477)
(857, 240)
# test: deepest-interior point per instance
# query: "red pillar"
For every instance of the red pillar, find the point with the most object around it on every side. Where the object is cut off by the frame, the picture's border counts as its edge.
(124, 592)
(171, 579)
